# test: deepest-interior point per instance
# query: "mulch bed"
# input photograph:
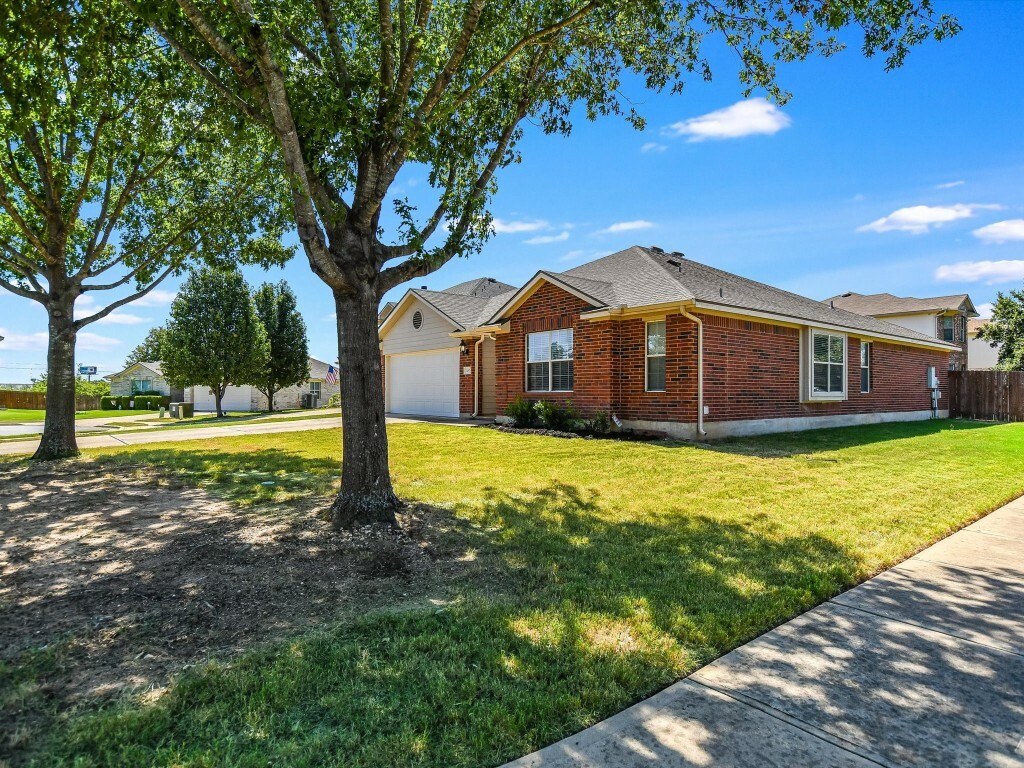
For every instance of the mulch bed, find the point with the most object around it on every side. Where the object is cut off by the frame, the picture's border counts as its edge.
(134, 577)
(628, 435)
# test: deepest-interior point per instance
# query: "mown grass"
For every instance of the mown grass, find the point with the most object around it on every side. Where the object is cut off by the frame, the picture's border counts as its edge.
(618, 567)
(19, 415)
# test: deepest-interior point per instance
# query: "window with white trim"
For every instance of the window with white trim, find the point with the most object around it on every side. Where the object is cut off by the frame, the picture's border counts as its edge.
(828, 364)
(549, 361)
(656, 356)
(314, 388)
(865, 366)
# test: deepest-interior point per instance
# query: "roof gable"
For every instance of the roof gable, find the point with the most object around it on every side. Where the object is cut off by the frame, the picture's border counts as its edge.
(152, 366)
(881, 304)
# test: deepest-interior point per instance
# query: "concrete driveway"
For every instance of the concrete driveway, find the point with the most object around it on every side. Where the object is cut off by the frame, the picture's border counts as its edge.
(922, 665)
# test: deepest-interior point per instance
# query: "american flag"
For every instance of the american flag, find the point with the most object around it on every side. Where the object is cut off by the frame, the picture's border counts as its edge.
(332, 375)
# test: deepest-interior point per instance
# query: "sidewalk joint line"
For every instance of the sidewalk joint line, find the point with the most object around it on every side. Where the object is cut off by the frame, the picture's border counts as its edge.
(795, 722)
(926, 628)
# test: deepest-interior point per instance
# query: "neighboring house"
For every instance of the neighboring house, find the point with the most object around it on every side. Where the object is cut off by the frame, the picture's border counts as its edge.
(246, 397)
(143, 378)
(430, 350)
(668, 344)
(943, 317)
(981, 354)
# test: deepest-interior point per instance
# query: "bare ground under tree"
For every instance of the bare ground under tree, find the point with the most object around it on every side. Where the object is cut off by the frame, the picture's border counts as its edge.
(116, 581)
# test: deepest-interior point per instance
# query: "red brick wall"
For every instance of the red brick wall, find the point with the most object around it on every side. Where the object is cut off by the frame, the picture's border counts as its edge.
(551, 308)
(751, 369)
(467, 360)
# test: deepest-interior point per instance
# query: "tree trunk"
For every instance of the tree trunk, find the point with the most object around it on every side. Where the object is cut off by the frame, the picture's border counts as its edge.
(218, 396)
(58, 440)
(366, 495)
(270, 399)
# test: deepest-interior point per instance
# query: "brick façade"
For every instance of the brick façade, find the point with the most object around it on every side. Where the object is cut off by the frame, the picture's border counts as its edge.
(751, 369)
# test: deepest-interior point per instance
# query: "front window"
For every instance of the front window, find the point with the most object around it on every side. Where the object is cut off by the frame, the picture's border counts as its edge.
(829, 364)
(947, 329)
(549, 361)
(865, 366)
(314, 388)
(656, 356)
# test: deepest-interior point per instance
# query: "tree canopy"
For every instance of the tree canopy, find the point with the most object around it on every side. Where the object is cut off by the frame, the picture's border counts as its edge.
(288, 361)
(214, 337)
(118, 166)
(1006, 329)
(151, 349)
(353, 91)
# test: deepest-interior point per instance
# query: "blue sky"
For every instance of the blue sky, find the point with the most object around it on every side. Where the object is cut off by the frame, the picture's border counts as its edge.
(910, 182)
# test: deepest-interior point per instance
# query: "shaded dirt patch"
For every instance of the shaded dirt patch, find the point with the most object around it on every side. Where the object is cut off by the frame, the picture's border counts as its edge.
(112, 582)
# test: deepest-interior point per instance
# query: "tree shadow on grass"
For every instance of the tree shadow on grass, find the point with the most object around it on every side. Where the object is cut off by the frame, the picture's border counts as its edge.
(590, 614)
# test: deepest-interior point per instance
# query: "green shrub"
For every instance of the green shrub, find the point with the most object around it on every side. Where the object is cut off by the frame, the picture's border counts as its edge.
(557, 416)
(521, 412)
(124, 402)
(334, 401)
(601, 424)
(108, 403)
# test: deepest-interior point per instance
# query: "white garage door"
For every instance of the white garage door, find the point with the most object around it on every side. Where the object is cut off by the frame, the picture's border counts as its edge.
(424, 383)
(235, 399)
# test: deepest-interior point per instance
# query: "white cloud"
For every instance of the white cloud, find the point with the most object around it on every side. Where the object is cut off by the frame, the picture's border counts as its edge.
(545, 239)
(573, 255)
(123, 318)
(918, 219)
(985, 310)
(949, 185)
(155, 298)
(625, 226)
(744, 118)
(989, 272)
(502, 227)
(653, 146)
(93, 342)
(19, 342)
(1001, 231)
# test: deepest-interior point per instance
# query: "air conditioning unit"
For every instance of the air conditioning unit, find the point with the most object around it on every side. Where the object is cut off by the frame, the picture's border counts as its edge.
(309, 400)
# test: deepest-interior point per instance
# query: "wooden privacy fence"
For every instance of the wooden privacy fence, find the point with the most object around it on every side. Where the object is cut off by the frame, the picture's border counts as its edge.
(987, 395)
(20, 398)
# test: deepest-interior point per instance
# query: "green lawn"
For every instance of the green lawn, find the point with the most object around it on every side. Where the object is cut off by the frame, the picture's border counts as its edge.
(616, 568)
(19, 415)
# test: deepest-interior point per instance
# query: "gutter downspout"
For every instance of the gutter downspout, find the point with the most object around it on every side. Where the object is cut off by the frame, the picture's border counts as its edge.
(700, 370)
(476, 373)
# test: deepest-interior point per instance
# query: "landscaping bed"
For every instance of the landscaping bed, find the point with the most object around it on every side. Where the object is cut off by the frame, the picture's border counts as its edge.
(627, 435)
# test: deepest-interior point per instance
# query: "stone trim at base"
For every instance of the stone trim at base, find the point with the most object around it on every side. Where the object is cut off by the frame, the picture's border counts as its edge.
(745, 427)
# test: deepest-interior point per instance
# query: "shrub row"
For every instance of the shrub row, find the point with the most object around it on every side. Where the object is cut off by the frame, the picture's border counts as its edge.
(545, 414)
(134, 402)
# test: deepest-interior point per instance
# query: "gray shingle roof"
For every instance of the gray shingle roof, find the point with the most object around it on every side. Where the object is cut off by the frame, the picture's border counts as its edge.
(481, 287)
(888, 304)
(640, 276)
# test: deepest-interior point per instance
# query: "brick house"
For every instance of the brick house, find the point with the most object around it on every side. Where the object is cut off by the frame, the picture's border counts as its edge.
(942, 317)
(665, 343)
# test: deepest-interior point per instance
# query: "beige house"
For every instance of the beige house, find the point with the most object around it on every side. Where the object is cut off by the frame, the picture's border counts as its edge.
(245, 397)
(143, 378)
(942, 317)
(980, 354)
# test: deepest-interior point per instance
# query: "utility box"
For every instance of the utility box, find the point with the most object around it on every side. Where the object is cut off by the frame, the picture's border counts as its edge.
(182, 410)
(309, 400)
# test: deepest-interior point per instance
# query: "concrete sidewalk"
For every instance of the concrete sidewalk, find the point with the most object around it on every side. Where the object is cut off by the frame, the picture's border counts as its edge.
(922, 665)
(169, 435)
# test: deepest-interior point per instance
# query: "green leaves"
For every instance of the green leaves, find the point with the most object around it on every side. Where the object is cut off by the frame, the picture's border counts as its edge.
(1006, 329)
(288, 359)
(214, 337)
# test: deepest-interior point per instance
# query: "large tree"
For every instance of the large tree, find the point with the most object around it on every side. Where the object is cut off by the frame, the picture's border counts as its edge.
(214, 338)
(288, 362)
(116, 168)
(355, 90)
(150, 350)
(1006, 330)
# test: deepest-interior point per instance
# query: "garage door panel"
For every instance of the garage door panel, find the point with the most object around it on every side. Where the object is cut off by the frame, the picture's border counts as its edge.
(424, 384)
(235, 399)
